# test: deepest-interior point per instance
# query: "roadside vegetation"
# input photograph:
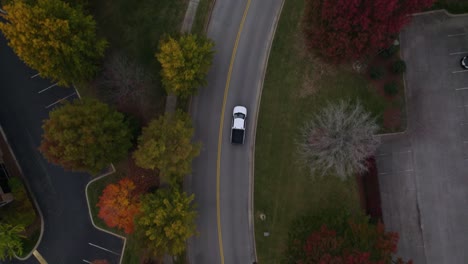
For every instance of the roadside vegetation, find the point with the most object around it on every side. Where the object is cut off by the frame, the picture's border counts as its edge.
(67, 51)
(19, 222)
(452, 6)
(202, 17)
(317, 61)
(123, 57)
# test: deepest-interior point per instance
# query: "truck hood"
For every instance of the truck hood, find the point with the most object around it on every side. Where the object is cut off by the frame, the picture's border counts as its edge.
(240, 109)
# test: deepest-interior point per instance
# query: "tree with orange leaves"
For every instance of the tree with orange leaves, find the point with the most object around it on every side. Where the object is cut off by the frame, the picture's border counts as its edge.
(118, 205)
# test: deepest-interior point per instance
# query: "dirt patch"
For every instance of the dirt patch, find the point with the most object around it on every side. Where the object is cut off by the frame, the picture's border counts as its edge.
(314, 74)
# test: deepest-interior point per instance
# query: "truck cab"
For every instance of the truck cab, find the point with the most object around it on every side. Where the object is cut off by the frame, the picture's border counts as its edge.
(239, 114)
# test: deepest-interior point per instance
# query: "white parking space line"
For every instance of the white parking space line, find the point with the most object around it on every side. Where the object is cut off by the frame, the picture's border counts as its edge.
(460, 71)
(53, 85)
(463, 88)
(60, 100)
(85, 261)
(458, 53)
(456, 35)
(35, 75)
(105, 249)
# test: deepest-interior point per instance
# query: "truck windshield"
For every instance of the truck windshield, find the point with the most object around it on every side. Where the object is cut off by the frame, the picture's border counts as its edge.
(239, 115)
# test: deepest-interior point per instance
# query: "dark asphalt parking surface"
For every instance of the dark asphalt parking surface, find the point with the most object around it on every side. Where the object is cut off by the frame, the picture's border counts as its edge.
(69, 236)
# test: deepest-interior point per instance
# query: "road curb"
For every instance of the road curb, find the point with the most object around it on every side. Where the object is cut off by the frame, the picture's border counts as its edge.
(254, 132)
(406, 108)
(111, 171)
(439, 11)
(33, 197)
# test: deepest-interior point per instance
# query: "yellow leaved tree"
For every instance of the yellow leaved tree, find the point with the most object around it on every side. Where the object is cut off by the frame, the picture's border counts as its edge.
(166, 221)
(165, 144)
(54, 38)
(185, 63)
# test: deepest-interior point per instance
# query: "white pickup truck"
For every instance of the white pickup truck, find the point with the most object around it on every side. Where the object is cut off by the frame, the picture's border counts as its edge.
(239, 114)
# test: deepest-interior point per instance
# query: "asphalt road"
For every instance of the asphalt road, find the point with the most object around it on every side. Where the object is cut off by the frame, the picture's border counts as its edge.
(423, 172)
(234, 244)
(69, 236)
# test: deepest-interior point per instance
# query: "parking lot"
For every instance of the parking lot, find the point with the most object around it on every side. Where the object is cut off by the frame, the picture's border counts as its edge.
(423, 173)
(51, 94)
(25, 101)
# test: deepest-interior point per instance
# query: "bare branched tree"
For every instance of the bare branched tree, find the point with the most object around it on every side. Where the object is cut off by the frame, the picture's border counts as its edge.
(339, 139)
(123, 80)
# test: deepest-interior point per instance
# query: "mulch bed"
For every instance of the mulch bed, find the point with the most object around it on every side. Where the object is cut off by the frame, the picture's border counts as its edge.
(369, 191)
(393, 116)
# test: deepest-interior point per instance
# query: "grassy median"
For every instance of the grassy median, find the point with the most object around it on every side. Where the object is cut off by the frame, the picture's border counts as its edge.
(296, 86)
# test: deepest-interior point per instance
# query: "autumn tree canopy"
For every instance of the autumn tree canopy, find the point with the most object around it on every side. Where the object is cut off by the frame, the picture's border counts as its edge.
(165, 144)
(119, 204)
(343, 30)
(57, 40)
(85, 135)
(166, 221)
(185, 63)
(10, 240)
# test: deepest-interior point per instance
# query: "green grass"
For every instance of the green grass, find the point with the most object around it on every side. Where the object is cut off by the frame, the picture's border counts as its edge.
(202, 16)
(132, 252)
(452, 6)
(133, 30)
(30, 242)
(20, 210)
(284, 189)
(136, 27)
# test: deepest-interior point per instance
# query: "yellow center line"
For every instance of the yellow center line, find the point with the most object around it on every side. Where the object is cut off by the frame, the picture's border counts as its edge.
(220, 135)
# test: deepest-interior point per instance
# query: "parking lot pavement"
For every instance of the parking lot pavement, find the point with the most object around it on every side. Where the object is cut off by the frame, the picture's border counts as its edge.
(423, 172)
(69, 236)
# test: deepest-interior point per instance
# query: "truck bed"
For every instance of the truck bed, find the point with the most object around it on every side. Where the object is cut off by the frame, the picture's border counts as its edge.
(237, 136)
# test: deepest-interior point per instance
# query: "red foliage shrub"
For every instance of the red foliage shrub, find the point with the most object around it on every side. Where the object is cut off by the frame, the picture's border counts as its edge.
(342, 30)
(362, 243)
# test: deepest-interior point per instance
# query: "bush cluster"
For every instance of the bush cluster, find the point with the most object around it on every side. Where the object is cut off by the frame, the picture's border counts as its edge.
(391, 88)
(388, 52)
(399, 66)
(377, 73)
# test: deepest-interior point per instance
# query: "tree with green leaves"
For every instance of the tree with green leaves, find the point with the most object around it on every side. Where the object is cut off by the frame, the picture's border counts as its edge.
(10, 240)
(54, 38)
(165, 144)
(185, 63)
(85, 135)
(166, 221)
